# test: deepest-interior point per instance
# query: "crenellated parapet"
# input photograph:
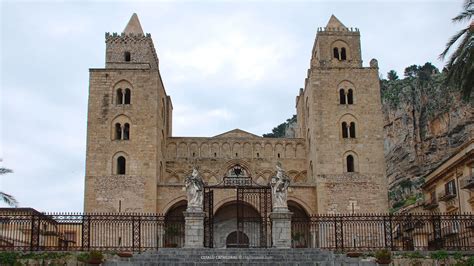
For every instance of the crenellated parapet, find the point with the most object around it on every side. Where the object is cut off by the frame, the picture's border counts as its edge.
(130, 50)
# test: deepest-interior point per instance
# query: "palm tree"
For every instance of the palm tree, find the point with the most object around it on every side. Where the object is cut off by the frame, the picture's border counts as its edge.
(7, 198)
(460, 64)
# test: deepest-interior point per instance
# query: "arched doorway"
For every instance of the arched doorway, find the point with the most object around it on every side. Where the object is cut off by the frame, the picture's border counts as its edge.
(174, 225)
(237, 239)
(248, 213)
(300, 226)
(226, 233)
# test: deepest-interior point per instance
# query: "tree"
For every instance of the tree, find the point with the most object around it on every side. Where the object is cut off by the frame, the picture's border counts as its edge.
(392, 75)
(411, 71)
(7, 198)
(280, 130)
(460, 64)
(425, 71)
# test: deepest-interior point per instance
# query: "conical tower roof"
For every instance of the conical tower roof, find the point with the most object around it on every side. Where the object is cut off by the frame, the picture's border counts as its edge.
(335, 23)
(133, 25)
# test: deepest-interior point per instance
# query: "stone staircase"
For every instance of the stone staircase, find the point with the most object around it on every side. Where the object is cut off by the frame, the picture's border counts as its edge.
(239, 256)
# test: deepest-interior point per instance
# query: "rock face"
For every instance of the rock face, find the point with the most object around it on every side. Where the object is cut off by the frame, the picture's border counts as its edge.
(424, 124)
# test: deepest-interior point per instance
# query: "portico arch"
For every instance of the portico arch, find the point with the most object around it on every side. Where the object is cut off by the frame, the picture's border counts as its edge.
(226, 231)
(300, 226)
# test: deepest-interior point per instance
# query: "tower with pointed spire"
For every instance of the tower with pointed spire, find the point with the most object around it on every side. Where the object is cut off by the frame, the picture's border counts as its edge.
(339, 115)
(129, 118)
(131, 49)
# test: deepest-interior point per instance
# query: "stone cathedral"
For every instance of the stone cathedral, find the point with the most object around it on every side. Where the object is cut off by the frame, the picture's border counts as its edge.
(335, 161)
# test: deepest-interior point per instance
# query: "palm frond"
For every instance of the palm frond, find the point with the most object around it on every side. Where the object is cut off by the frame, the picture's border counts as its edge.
(5, 171)
(452, 41)
(8, 199)
(465, 15)
(468, 4)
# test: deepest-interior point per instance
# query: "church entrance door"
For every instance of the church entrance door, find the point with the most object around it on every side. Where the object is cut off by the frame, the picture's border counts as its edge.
(243, 222)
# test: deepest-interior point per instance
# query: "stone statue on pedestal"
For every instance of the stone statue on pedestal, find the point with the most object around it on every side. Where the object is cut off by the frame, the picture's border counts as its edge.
(194, 191)
(280, 184)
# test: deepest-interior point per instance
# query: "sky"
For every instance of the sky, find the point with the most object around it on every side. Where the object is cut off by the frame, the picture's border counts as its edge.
(226, 65)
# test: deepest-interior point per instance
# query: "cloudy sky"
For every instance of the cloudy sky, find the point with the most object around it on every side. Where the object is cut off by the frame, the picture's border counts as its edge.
(226, 65)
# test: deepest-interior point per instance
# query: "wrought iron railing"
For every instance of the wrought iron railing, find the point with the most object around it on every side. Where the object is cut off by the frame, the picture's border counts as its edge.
(402, 232)
(34, 231)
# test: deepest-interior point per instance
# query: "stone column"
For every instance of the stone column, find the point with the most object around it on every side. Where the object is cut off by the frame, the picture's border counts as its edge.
(281, 227)
(194, 228)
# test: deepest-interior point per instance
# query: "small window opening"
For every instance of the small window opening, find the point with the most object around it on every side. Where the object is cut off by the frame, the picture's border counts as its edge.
(126, 131)
(119, 96)
(120, 208)
(127, 96)
(278, 155)
(258, 154)
(344, 130)
(194, 154)
(121, 165)
(450, 188)
(343, 54)
(352, 130)
(336, 52)
(215, 154)
(350, 163)
(236, 155)
(128, 56)
(350, 97)
(118, 132)
(342, 96)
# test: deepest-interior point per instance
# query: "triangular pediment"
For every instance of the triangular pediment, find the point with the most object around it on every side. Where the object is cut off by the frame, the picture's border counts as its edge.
(237, 133)
(335, 23)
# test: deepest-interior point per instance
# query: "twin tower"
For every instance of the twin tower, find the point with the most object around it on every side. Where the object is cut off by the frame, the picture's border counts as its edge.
(335, 162)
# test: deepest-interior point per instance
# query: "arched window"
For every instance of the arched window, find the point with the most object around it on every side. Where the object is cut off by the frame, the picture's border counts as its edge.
(352, 130)
(128, 96)
(350, 163)
(119, 96)
(121, 164)
(127, 56)
(342, 96)
(126, 131)
(336, 52)
(344, 130)
(350, 97)
(118, 132)
(343, 54)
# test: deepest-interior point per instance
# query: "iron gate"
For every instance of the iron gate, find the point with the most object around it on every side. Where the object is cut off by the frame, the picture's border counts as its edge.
(253, 207)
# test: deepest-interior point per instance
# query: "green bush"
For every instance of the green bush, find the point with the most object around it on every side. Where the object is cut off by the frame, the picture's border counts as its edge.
(8, 258)
(383, 254)
(439, 255)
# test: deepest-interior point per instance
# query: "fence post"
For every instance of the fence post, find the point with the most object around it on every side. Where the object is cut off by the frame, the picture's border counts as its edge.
(387, 226)
(339, 234)
(86, 225)
(35, 232)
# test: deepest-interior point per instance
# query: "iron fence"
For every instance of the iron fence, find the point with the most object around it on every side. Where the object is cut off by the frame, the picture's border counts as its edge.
(405, 232)
(28, 230)
(33, 231)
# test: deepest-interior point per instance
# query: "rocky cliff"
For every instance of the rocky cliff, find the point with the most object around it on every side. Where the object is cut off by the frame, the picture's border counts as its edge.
(425, 122)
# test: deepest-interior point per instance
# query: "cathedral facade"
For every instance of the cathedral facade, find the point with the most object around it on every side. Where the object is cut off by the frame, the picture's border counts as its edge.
(335, 161)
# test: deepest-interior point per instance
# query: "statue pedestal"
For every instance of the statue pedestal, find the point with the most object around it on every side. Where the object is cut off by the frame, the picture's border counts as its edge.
(194, 228)
(281, 227)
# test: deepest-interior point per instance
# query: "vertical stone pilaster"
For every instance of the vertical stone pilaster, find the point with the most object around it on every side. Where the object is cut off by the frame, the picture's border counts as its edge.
(194, 229)
(281, 228)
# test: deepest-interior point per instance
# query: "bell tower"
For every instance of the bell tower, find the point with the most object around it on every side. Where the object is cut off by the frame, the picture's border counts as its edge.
(340, 117)
(129, 119)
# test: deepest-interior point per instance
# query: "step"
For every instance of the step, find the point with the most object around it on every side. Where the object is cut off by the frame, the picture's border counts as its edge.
(239, 256)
